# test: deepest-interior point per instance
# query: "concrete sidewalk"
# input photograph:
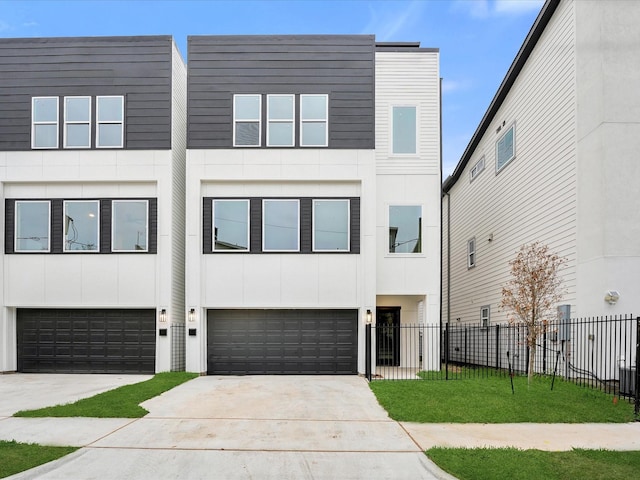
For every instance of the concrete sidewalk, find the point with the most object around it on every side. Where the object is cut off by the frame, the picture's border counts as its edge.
(272, 427)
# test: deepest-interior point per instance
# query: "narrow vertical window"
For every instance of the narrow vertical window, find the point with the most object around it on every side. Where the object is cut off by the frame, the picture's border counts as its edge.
(330, 225)
(405, 229)
(77, 122)
(485, 313)
(404, 130)
(280, 225)
(81, 225)
(33, 226)
(129, 229)
(471, 253)
(280, 112)
(231, 225)
(44, 128)
(110, 122)
(505, 148)
(314, 114)
(247, 112)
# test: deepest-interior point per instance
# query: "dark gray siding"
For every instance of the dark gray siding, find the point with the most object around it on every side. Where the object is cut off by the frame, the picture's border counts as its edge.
(341, 66)
(139, 68)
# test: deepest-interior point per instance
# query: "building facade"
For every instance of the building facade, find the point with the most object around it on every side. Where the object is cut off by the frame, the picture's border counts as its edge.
(553, 160)
(312, 199)
(92, 153)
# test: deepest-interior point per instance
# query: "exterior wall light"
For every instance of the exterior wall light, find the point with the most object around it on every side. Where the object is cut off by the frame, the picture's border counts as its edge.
(192, 314)
(612, 297)
(369, 317)
(163, 315)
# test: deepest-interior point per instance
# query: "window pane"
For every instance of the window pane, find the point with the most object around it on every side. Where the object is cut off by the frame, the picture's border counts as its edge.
(129, 226)
(504, 148)
(405, 229)
(77, 109)
(314, 134)
(109, 135)
(78, 135)
(46, 136)
(280, 225)
(231, 224)
(32, 226)
(404, 129)
(45, 109)
(247, 133)
(331, 225)
(281, 134)
(81, 226)
(247, 107)
(110, 109)
(313, 107)
(280, 108)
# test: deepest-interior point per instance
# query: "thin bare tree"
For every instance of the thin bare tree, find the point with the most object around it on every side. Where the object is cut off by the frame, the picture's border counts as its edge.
(532, 294)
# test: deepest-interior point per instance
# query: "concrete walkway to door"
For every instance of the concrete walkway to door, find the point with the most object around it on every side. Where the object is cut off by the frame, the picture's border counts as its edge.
(259, 427)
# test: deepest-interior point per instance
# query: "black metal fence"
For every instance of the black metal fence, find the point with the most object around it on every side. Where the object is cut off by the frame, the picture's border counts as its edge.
(600, 352)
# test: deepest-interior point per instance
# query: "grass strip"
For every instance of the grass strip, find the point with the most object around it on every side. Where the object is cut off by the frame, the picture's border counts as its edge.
(510, 463)
(121, 402)
(17, 457)
(489, 400)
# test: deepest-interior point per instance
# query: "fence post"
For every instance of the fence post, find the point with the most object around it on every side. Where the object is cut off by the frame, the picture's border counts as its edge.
(498, 346)
(367, 351)
(637, 382)
(446, 351)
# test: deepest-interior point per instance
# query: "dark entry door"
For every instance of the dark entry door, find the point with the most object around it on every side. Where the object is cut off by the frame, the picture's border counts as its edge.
(388, 336)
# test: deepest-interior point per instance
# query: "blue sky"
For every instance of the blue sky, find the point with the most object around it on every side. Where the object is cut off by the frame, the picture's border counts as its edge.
(478, 39)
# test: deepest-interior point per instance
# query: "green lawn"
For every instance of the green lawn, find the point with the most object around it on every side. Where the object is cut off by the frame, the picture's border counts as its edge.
(17, 457)
(509, 464)
(489, 400)
(122, 402)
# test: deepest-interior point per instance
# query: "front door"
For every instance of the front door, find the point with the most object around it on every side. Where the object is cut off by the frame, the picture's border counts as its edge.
(388, 336)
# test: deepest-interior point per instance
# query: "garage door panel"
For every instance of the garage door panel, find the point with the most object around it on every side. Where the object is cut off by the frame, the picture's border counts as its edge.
(86, 340)
(282, 341)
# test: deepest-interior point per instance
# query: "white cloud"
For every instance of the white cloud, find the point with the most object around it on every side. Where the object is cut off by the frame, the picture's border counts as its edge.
(30, 24)
(517, 7)
(492, 8)
(387, 24)
(450, 86)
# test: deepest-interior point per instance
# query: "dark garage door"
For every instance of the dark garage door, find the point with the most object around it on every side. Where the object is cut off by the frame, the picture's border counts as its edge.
(282, 342)
(86, 340)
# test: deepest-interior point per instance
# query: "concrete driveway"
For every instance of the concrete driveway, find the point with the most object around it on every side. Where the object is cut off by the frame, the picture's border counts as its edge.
(259, 427)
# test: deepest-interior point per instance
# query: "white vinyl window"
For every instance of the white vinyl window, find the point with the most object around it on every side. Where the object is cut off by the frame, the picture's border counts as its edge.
(129, 228)
(44, 127)
(485, 316)
(314, 124)
(330, 225)
(405, 229)
(477, 168)
(77, 122)
(110, 122)
(404, 130)
(81, 225)
(247, 111)
(505, 148)
(280, 120)
(32, 226)
(280, 225)
(471, 253)
(231, 225)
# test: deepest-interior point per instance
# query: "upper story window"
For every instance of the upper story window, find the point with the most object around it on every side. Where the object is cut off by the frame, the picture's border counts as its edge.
(110, 122)
(32, 226)
(44, 115)
(476, 169)
(331, 225)
(485, 316)
(280, 114)
(314, 114)
(77, 122)
(505, 148)
(247, 113)
(405, 229)
(130, 225)
(404, 130)
(471, 253)
(280, 225)
(81, 225)
(231, 225)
